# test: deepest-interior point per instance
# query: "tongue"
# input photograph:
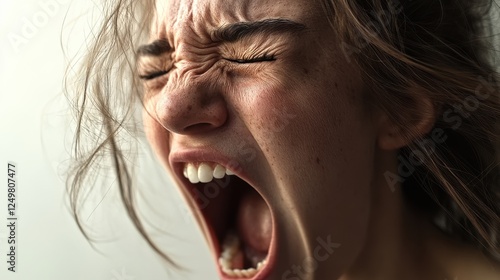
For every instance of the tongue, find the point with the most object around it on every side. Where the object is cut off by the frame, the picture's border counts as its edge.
(254, 222)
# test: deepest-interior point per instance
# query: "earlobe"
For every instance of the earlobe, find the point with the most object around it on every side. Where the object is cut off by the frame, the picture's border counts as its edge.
(412, 123)
(389, 135)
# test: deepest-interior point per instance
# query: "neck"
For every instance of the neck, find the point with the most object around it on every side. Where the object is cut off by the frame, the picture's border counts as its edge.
(395, 244)
(402, 244)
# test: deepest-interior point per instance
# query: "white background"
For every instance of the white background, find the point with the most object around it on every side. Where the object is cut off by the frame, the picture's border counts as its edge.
(35, 135)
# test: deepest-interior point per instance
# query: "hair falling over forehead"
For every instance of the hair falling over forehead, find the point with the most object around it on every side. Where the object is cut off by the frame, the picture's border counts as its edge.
(435, 49)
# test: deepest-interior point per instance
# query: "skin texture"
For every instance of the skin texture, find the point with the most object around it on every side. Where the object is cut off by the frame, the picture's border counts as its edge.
(299, 129)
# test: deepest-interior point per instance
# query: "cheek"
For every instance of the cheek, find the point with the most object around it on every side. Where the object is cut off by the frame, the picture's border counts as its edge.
(303, 108)
(320, 145)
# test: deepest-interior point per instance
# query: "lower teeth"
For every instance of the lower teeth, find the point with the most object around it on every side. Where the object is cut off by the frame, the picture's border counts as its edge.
(230, 249)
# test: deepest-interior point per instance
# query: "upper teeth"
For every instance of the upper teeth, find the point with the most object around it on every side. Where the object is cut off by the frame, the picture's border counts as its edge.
(205, 172)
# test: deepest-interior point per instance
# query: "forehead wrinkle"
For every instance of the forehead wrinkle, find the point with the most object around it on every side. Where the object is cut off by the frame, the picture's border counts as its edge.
(207, 16)
(200, 17)
(223, 13)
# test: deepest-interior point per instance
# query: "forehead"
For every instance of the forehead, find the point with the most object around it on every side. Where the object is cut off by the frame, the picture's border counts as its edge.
(199, 16)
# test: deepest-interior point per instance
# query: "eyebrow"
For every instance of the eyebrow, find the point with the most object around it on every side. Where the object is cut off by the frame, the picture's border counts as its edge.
(155, 48)
(237, 31)
(231, 33)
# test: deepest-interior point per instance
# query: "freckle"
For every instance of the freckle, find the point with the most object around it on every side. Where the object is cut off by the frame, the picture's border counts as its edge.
(189, 108)
(305, 71)
(317, 160)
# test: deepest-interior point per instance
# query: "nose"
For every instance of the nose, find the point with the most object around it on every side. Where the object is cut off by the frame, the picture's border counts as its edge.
(192, 107)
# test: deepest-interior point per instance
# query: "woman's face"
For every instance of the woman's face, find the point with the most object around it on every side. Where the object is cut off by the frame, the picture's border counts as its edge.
(262, 89)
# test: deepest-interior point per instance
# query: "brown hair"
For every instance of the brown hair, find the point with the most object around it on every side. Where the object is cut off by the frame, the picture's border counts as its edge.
(436, 46)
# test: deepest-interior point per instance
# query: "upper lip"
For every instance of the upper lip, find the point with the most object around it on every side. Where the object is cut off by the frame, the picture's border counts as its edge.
(180, 157)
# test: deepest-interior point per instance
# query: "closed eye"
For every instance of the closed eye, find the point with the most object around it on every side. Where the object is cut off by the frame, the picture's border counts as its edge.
(263, 58)
(155, 74)
(152, 75)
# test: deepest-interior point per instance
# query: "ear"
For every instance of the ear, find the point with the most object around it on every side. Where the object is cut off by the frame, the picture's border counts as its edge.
(413, 120)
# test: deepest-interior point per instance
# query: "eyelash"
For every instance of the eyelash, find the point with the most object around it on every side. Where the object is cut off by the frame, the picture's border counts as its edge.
(153, 75)
(255, 59)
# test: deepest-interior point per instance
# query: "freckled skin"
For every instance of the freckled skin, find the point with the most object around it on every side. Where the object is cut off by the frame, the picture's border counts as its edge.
(317, 161)
(300, 107)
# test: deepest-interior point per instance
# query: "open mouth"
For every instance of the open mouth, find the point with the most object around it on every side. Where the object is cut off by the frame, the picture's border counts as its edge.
(238, 219)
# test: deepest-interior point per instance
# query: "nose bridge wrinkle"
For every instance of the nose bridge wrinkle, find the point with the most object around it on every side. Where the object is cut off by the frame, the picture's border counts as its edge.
(191, 60)
(194, 77)
(195, 65)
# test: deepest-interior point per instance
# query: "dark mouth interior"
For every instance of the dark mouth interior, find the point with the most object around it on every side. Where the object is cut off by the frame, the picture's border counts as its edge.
(221, 206)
